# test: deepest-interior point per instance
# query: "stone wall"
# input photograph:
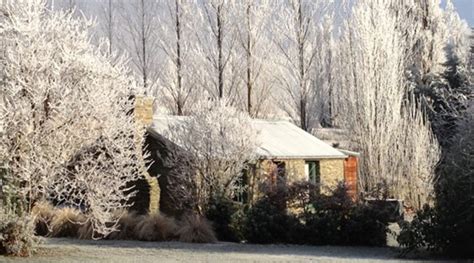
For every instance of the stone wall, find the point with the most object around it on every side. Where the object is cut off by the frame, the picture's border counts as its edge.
(332, 172)
(144, 110)
(295, 170)
(144, 117)
(172, 166)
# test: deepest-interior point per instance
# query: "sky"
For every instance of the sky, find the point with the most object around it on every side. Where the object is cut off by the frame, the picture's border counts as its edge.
(465, 9)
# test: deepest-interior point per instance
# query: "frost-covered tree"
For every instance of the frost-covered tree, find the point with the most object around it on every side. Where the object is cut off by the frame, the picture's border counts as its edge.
(325, 74)
(219, 69)
(459, 33)
(296, 39)
(109, 23)
(255, 45)
(446, 94)
(397, 148)
(141, 40)
(422, 25)
(177, 82)
(220, 139)
(66, 132)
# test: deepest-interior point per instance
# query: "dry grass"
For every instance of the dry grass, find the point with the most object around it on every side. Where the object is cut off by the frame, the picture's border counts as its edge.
(155, 227)
(69, 222)
(66, 222)
(126, 226)
(43, 212)
(196, 229)
(85, 231)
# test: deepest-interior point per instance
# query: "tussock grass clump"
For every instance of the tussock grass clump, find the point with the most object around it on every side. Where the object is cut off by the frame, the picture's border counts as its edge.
(126, 226)
(43, 213)
(196, 229)
(85, 231)
(155, 227)
(66, 222)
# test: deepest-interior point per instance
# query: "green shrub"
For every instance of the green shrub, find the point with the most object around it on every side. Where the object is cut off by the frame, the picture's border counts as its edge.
(337, 220)
(420, 232)
(268, 220)
(438, 232)
(267, 223)
(299, 214)
(226, 216)
(365, 226)
(448, 226)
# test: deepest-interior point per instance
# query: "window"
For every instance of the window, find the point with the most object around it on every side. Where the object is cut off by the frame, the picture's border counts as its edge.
(281, 169)
(312, 171)
(241, 189)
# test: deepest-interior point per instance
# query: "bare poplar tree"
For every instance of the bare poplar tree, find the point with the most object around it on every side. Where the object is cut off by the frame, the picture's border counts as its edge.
(325, 73)
(425, 32)
(253, 21)
(296, 41)
(140, 18)
(108, 23)
(176, 41)
(398, 149)
(217, 49)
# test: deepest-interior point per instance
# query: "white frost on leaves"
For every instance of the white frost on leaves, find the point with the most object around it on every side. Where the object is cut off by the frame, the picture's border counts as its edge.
(398, 150)
(221, 139)
(66, 133)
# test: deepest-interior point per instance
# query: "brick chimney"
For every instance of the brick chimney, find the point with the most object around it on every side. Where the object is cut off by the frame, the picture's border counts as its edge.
(144, 110)
(144, 116)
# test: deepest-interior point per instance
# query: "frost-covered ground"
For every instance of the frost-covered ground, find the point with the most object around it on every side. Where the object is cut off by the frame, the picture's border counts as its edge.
(69, 250)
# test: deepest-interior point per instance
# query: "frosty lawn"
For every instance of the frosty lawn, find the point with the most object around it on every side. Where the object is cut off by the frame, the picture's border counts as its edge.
(73, 250)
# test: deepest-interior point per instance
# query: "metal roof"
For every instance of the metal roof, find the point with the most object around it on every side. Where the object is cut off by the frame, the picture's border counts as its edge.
(278, 140)
(284, 140)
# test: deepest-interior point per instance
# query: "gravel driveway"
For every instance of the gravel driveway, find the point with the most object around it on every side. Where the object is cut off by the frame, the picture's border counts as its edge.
(70, 250)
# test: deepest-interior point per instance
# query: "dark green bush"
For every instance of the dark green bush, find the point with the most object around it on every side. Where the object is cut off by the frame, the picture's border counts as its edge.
(299, 214)
(226, 216)
(268, 220)
(267, 223)
(448, 226)
(365, 226)
(420, 232)
(337, 220)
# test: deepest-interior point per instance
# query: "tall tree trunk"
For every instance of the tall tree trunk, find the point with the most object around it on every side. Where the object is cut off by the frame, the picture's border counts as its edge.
(110, 33)
(145, 73)
(219, 50)
(302, 76)
(179, 102)
(249, 63)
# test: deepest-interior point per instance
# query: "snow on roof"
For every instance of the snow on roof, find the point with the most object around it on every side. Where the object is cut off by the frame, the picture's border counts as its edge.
(278, 140)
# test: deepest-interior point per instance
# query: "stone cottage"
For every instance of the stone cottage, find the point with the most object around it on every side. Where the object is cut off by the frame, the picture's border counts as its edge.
(285, 150)
(288, 151)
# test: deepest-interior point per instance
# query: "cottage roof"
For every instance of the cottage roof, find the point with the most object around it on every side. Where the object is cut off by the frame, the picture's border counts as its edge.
(278, 140)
